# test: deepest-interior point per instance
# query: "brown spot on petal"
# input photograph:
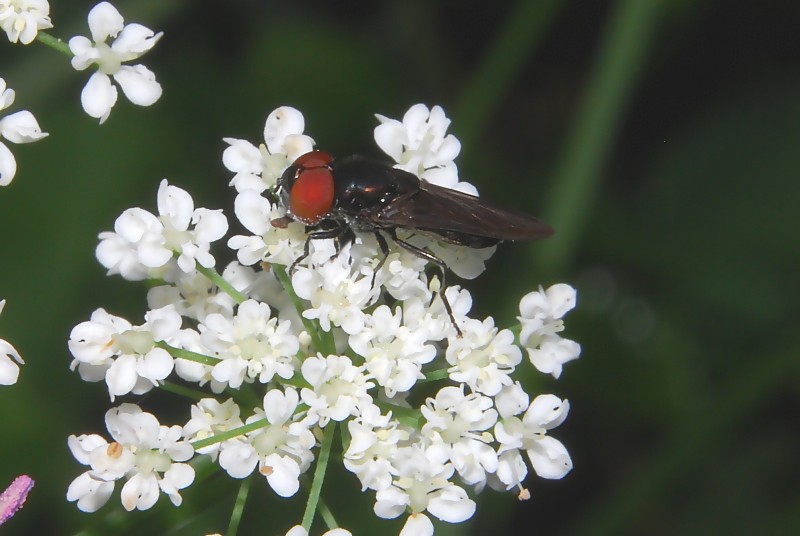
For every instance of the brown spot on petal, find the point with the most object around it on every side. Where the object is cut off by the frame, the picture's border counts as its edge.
(114, 450)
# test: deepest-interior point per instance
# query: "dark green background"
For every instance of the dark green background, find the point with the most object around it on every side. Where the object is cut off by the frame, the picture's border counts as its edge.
(661, 139)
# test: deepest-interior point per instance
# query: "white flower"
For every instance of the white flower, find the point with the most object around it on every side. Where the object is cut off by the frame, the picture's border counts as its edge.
(143, 451)
(420, 144)
(210, 417)
(9, 359)
(127, 357)
(144, 245)
(22, 19)
(373, 444)
(483, 358)
(540, 318)
(19, 127)
(393, 354)
(403, 276)
(423, 484)
(548, 456)
(338, 388)
(191, 371)
(192, 294)
(337, 290)
(131, 41)
(259, 168)
(268, 243)
(251, 345)
(460, 422)
(282, 449)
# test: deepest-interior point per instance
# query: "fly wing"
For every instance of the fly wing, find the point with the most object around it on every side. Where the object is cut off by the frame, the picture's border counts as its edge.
(460, 218)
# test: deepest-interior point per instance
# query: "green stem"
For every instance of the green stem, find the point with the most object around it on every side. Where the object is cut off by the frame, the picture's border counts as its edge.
(283, 277)
(434, 375)
(182, 390)
(615, 72)
(188, 355)
(54, 43)
(233, 432)
(238, 507)
(221, 283)
(319, 475)
(327, 515)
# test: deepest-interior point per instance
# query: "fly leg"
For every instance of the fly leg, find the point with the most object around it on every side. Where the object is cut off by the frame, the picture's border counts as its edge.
(428, 256)
(341, 233)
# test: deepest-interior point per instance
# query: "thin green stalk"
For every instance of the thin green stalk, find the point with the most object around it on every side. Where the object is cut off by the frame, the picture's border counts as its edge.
(622, 54)
(188, 392)
(238, 507)
(188, 355)
(54, 42)
(434, 375)
(319, 475)
(221, 283)
(313, 332)
(233, 432)
(327, 515)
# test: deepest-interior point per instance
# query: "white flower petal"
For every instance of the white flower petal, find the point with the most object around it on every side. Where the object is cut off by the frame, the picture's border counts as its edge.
(9, 370)
(176, 204)
(122, 376)
(139, 84)
(238, 459)
(451, 504)
(549, 458)
(134, 40)
(156, 365)
(253, 211)
(283, 475)
(84, 52)
(6, 95)
(98, 96)
(417, 525)
(21, 127)
(90, 493)
(282, 122)
(140, 492)
(8, 165)
(241, 156)
(104, 22)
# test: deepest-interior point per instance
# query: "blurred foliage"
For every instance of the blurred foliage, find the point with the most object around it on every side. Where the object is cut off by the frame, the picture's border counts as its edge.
(661, 139)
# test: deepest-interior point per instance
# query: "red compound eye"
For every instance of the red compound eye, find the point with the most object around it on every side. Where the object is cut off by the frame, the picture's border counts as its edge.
(314, 159)
(311, 197)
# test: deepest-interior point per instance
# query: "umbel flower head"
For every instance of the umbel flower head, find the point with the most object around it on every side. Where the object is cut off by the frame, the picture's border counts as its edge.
(131, 41)
(305, 336)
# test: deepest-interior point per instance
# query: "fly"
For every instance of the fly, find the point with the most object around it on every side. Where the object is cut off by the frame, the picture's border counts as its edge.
(336, 198)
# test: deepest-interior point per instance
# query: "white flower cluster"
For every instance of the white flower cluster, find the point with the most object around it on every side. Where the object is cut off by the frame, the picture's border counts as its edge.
(346, 337)
(131, 41)
(22, 20)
